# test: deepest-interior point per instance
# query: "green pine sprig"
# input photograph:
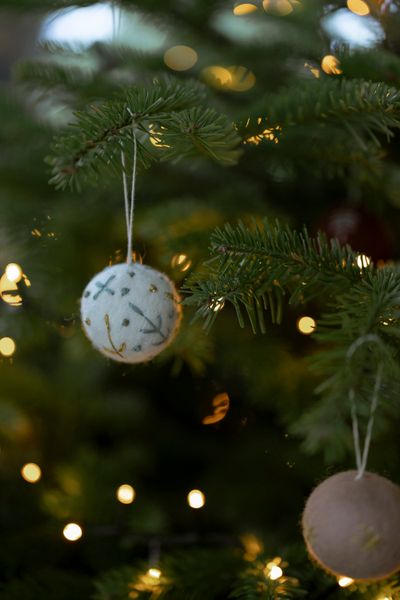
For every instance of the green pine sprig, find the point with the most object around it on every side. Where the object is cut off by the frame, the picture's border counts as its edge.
(168, 113)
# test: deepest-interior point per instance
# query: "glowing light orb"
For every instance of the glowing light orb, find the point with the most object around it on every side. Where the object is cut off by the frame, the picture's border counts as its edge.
(358, 7)
(72, 532)
(181, 262)
(220, 408)
(306, 325)
(216, 76)
(363, 261)
(180, 58)
(345, 581)
(7, 346)
(31, 472)
(196, 499)
(13, 272)
(155, 573)
(126, 494)
(331, 65)
(244, 8)
(242, 79)
(275, 573)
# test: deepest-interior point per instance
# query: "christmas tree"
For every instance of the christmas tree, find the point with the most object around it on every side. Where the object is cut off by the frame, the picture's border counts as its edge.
(248, 151)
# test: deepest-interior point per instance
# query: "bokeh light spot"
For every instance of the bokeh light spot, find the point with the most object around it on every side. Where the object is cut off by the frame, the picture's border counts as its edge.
(244, 8)
(306, 325)
(331, 65)
(31, 472)
(180, 58)
(72, 532)
(7, 346)
(126, 494)
(13, 272)
(358, 7)
(196, 499)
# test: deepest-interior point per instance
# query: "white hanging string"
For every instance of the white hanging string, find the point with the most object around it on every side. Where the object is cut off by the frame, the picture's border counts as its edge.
(129, 202)
(362, 455)
(116, 21)
(129, 199)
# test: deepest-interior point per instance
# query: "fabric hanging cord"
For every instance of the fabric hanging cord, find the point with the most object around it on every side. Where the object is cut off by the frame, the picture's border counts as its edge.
(362, 455)
(116, 13)
(129, 198)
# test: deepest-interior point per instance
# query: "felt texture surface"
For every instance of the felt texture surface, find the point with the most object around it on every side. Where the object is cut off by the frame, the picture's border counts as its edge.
(351, 527)
(130, 313)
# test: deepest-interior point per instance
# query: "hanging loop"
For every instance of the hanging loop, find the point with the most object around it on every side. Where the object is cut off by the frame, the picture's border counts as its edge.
(129, 196)
(362, 455)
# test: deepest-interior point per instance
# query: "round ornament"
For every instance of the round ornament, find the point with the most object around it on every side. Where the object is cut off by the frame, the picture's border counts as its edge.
(362, 231)
(130, 312)
(351, 526)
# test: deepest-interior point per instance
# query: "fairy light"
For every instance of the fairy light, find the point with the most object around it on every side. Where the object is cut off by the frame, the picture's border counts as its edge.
(217, 305)
(267, 134)
(196, 499)
(154, 572)
(181, 262)
(220, 405)
(244, 8)
(345, 581)
(217, 76)
(306, 325)
(13, 272)
(31, 472)
(242, 79)
(7, 346)
(275, 573)
(331, 65)
(180, 58)
(358, 7)
(126, 494)
(72, 532)
(280, 7)
(314, 70)
(363, 261)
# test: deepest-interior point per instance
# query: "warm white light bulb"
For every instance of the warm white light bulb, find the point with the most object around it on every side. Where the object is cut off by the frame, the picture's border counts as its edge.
(31, 472)
(155, 573)
(13, 272)
(196, 499)
(7, 346)
(306, 325)
(72, 532)
(345, 581)
(126, 494)
(217, 304)
(363, 261)
(275, 573)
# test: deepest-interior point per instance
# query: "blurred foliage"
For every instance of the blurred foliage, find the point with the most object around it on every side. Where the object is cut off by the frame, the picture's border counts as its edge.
(303, 142)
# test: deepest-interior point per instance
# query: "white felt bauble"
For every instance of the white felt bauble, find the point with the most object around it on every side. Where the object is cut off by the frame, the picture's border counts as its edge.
(351, 526)
(130, 312)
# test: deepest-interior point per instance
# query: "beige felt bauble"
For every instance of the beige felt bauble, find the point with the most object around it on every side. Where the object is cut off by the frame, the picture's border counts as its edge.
(130, 312)
(351, 526)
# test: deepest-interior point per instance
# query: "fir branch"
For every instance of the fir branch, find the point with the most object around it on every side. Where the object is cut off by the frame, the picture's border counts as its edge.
(92, 144)
(363, 109)
(255, 269)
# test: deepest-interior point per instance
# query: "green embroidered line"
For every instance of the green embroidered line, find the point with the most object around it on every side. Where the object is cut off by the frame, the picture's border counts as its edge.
(154, 327)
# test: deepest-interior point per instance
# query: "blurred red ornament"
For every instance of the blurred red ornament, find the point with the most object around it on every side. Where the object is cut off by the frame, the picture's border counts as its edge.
(364, 232)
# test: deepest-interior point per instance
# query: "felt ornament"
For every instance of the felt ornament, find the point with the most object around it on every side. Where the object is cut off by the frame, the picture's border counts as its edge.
(130, 312)
(351, 525)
